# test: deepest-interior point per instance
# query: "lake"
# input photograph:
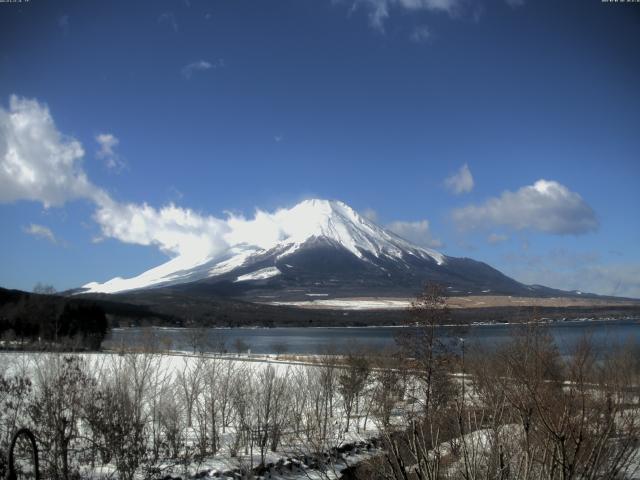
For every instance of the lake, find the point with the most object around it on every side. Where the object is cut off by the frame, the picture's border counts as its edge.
(605, 334)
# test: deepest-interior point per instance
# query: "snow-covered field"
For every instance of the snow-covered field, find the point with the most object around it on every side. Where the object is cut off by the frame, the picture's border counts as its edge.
(208, 415)
(150, 415)
(350, 304)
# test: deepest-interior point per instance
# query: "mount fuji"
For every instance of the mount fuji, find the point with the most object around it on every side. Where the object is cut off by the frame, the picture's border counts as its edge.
(318, 248)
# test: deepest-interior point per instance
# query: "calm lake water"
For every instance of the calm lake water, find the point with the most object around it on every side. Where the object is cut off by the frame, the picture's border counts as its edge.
(605, 334)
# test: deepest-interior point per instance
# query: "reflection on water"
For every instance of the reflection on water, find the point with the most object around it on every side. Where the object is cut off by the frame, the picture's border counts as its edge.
(604, 334)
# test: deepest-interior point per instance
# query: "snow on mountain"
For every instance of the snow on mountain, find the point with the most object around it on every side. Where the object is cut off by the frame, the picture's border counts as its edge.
(261, 274)
(283, 232)
(339, 222)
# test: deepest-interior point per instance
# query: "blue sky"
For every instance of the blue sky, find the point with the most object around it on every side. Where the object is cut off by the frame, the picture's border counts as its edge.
(233, 106)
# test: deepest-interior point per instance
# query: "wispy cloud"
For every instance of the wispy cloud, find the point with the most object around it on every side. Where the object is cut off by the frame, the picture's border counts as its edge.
(41, 231)
(546, 206)
(421, 34)
(370, 214)
(108, 142)
(379, 11)
(175, 193)
(200, 66)
(461, 181)
(566, 269)
(417, 232)
(168, 18)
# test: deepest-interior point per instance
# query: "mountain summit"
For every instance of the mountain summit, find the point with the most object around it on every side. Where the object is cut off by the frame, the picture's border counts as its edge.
(317, 248)
(337, 222)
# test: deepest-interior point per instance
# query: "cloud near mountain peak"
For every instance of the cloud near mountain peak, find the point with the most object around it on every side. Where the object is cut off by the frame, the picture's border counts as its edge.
(546, 206)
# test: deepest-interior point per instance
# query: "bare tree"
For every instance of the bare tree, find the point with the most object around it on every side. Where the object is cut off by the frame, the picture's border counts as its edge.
(44, 289)
(240, 345)
(170, 419)
(329, 376)
(215, 395)
(352, 380)
(55, 410)
(242, 395)
(540, 415)
(120, 424)
(270, 409)
(188, 381)
(198, 339)
(413, 447)
(387, 389)
(423, 349)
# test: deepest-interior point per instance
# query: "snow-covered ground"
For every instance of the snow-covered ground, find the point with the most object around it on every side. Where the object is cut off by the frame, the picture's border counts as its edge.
(287, 462)
(261, 274)
(289, 391)
(351, 303)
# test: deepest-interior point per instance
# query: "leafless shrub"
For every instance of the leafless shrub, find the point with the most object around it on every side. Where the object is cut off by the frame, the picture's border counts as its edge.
(55, 409)
(352, 380)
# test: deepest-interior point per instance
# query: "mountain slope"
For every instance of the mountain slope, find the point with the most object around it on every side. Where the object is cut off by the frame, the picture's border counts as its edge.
(320, 248)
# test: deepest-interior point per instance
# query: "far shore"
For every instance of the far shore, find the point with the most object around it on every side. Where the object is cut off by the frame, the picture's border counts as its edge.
(457, 302)
(541, 321)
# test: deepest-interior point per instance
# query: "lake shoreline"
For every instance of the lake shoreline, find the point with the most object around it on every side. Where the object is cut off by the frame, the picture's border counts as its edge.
(450, 325)
(316, 340)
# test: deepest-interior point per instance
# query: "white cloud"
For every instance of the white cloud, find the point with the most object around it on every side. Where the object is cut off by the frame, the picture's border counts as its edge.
(41, 231)
(37, 162)
(108, 142)
(278, 138)
(380, 10)
(496, 238)
(421, 34)
(174, 230)
(417, 232)
(200, 66)
(461, 181)
(546, 206)
(264, 228)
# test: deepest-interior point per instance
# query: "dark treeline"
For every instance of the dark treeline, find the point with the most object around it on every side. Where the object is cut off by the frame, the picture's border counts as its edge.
(45, 320)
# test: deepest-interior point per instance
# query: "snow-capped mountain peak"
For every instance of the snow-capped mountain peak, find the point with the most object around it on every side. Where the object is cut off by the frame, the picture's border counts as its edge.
(282, 233)
(337, 221)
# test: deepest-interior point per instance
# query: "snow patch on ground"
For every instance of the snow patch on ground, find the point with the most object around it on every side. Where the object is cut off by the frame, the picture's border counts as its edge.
(349, 304)
(261, 274)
